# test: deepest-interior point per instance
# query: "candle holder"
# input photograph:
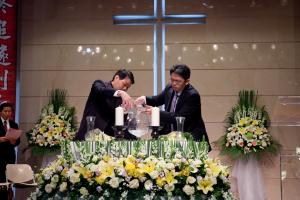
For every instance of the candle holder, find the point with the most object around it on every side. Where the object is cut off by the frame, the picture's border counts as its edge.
(119, 132)
(155, 131)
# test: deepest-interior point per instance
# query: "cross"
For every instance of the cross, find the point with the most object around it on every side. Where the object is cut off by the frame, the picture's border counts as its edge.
(159, 20)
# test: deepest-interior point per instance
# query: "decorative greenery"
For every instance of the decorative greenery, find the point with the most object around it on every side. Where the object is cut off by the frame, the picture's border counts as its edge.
(56, 123)
(247, 133)
(105, 176)
(189, 149)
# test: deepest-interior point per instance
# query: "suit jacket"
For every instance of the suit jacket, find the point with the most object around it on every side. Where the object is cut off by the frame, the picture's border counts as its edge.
(101, 103)
(188, 106)
(7, 151)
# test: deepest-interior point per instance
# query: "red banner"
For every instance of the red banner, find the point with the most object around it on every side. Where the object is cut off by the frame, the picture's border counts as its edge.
(8, 50)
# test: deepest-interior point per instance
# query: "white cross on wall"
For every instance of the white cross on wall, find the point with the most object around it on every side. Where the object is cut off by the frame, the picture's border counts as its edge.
(159, 20)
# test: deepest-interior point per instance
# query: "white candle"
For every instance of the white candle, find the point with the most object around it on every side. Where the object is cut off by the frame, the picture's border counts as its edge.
(119, 118)
(154, 116)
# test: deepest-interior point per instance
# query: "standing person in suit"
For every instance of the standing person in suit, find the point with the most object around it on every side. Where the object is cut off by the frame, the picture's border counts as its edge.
(7, 146)
(103, 99)
(180, 99)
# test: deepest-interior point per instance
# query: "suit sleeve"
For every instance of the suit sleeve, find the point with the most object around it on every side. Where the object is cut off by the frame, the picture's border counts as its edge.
(188, 110)
(157, 100)
(99, 89)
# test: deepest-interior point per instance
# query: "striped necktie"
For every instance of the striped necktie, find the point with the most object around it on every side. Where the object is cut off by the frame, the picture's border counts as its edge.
(5, 126)
(174, 102)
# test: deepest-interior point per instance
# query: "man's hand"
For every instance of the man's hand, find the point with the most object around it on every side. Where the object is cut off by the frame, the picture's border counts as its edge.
(3, 139)
(126, 99)
(140, 100)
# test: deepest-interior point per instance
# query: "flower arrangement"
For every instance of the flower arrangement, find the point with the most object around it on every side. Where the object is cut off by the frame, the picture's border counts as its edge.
(52, 128)
(133, 177)
(55, 125)
(247, 131)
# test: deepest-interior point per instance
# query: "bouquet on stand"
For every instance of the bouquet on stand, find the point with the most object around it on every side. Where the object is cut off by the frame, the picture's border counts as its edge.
(247, 131)
(247, 140)
(56, 123)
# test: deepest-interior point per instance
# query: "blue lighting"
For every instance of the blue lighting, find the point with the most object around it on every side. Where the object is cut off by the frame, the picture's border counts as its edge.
(132, 17)
(163, 57)
(198, 16)
(155, 60)
(163, 8)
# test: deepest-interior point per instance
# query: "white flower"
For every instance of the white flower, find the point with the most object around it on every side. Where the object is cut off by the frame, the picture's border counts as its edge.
(169, 187)
(114, 182)
(189, 190)
(134, 184)
(170, 166)
(263, 143)
(55, 178)
(190, 180)
(48, 188)
(53, 185)
(148, 185)
(74, 178)
(154, 174)
(84, 191)
(94, 168)
(63, 186)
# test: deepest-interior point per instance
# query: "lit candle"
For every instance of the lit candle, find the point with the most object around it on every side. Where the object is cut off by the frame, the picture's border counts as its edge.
(154, 116)
(119, 112)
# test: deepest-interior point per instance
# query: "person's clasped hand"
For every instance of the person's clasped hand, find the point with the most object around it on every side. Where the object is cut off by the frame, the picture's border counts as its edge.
(140, 100)
(127, 102)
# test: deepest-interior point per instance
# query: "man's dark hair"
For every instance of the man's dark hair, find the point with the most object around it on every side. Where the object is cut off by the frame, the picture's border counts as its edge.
(4, 105)
(181, 70)
(123, 73)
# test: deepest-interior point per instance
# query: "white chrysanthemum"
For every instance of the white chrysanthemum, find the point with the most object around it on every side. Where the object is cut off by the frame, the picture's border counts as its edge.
(170, 166)
(189, 190)
(55, 178)
(84, 191)
(48, 188)
(114, 182)
(148, 185)
(190, 180)
(169, 187)
(63, 186)
(154, 174)
(134, 184)
(75, 178)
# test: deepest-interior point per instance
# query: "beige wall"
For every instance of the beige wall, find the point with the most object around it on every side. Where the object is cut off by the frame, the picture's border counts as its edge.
(243, 45)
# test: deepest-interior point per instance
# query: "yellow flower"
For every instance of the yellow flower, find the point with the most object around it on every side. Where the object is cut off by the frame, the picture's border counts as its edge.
(106, 158)
(42, 129)
(255, 122)
(206, 185)
(185, 171)
(259, 131)
(215, 169)
(170, 177)
(100, 179)
(242, 122)
(107, 170)
(160, 182)
(148, 167)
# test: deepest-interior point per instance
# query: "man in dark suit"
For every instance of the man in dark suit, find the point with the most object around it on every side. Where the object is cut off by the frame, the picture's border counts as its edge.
(180, 99)
(102, 101)
(7, 146)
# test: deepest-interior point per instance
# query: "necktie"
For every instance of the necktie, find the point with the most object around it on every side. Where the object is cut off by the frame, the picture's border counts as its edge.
(174, 102)
(5, 126)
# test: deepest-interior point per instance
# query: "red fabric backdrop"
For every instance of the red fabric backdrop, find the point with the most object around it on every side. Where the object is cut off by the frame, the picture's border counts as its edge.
(8, 50)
